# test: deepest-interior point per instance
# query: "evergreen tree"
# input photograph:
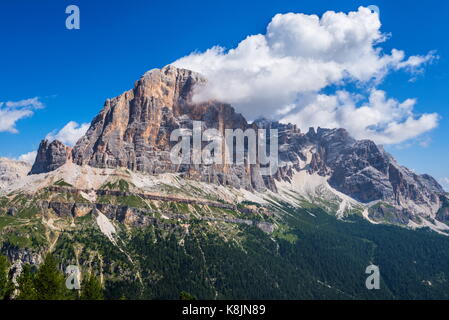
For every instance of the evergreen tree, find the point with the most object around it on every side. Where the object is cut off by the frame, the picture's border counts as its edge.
(91, 288)
(50, 282)
(27, 291)
(6, 286)
(187, 296)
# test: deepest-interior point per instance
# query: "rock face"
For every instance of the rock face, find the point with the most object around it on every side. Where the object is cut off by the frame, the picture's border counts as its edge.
(11, 171)
(50, 156)
(133, 131)
(363, 171)
(367, 173)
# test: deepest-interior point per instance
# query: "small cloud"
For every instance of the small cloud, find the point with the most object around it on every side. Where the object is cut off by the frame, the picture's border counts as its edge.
(445, 183)
(29, 157)
(414, 64)
(423, 142)
(33, 103)
(70, 134)
(13, 111)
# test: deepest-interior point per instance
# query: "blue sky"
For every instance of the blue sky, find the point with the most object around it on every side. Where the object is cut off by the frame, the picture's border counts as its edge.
(74, 71)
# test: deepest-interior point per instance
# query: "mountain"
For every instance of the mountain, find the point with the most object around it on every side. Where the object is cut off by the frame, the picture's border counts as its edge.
(116, 204)
(50, 156)
(133, 131)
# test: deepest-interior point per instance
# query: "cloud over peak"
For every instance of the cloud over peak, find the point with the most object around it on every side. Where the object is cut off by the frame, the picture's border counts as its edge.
(445, 183)
(69, 134)
(379, 118)
(282, 74)
(29, 157)
(13, 111)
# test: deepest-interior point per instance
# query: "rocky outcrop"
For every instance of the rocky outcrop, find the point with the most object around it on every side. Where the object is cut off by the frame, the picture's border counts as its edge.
(23, 255)
(443, 212)
(133, 130)
(367, 173)
(146, 196)
(11, 171)
(50, 156)
(138, 217)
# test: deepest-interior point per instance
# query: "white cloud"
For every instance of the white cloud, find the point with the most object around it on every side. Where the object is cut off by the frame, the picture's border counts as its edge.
(70, 134)
(32, 102)
(29, 157)
(423, 141)
(382, 119)
(283, 72)
(13, 111)
(415, 62)
(445, 183)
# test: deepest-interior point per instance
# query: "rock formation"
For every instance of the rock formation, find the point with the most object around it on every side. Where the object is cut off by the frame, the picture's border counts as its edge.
(11, 171)
(133, 131)
(50, 156)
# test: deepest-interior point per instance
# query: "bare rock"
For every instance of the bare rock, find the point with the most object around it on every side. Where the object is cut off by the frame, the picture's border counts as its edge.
(50, 156)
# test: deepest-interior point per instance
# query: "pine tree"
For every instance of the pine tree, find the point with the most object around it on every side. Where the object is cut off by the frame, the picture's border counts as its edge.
(186, 296)
(50, 282)
(91, 288)
(27, 291)
(6, 286)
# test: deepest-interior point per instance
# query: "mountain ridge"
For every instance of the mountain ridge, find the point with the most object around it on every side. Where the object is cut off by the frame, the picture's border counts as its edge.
(115, 205)
(132, 131)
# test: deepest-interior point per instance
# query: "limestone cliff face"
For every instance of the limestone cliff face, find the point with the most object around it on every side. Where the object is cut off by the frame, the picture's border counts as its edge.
(132, 126)
(51, 156)
(133, 130)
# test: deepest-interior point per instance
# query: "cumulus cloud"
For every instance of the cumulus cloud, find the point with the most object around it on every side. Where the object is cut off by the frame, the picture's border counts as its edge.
(281, 74)
(29, 157)
(13, 111)
(384, 120)
(70, 134)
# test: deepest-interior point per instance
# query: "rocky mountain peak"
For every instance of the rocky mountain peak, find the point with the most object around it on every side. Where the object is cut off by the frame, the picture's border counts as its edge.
(133, 131)
(51, 156)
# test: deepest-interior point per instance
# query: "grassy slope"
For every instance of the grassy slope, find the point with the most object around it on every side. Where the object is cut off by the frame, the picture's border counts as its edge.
(311, 255)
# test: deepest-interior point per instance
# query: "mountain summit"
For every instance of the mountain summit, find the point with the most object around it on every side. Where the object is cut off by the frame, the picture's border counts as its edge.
(118, 206)
(133, 131)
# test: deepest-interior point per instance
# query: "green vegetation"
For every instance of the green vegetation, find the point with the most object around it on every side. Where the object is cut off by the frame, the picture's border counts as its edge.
(28, 212)
(282, 232)
(19, 200)
(250, 203)
(48, 283)
(22, 233)
(27, 290)
(316, 257)
(91, 288)
(132, 201)
(120, 185)
(62, 183)
(6, 286)
(186, 296)
(310, 255)
(3, 201)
